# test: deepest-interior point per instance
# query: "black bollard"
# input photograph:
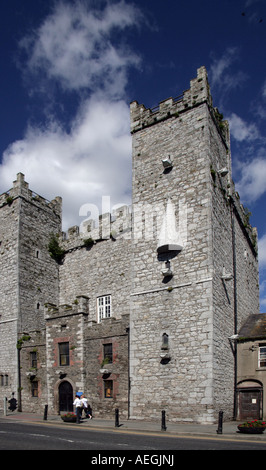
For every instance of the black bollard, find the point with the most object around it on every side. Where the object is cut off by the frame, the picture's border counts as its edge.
(220, 423)
(117, 418)
(163, 428)
(45, 412)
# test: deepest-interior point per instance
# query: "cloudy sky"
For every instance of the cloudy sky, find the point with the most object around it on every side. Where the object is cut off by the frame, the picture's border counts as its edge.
(69, 70)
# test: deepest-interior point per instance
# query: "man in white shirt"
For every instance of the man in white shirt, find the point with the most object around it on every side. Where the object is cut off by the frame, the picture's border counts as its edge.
(78, 404)
(85, 407)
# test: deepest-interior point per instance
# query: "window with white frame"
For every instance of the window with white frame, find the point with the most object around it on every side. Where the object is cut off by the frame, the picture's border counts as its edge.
(104, 307)
(262, 356)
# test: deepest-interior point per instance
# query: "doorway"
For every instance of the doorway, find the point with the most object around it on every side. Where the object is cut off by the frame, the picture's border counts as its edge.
(249, 401)
(65, 396)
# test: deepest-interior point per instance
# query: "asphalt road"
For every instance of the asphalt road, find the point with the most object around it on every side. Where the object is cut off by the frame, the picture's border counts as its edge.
(24, 436)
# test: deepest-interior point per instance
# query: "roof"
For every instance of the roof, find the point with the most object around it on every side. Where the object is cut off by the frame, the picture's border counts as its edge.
(254, 327)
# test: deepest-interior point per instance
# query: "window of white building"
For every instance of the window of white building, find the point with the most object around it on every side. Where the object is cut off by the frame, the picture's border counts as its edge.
(262, 356)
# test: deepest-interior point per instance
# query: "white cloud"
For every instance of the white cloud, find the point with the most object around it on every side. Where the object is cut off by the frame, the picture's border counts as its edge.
(263, 303)
(74, 46)
(262, 253)
(251, 2)
(92, 161)
(263, 296)
(258, 106)
(219, 66)
(220, 75)
(240, 130)
(252, 184)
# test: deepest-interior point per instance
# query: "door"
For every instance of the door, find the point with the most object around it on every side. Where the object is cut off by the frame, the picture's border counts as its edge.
(250, 404)
(65, 397)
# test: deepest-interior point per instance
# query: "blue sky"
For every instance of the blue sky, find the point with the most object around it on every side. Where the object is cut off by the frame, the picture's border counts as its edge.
(69, 70)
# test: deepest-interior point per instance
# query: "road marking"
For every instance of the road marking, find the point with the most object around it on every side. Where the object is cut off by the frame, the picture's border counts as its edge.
(143, 433)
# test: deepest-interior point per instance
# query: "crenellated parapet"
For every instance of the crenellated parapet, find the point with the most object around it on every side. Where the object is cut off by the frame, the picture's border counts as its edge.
(80, 305)
(113, 226)
(199, 92)
(21, 189)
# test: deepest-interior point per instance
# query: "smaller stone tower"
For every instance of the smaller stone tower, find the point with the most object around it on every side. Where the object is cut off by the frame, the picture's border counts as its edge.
(28, 274)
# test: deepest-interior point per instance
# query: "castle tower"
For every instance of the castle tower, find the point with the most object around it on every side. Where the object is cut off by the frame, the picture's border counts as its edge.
(28, 274)
(192, 285)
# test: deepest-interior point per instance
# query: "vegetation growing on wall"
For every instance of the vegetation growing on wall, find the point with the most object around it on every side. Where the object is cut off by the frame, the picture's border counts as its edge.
(55, 250)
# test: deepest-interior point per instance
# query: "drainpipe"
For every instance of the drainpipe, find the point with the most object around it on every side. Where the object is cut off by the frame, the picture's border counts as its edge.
(128, 393)
(19, 379)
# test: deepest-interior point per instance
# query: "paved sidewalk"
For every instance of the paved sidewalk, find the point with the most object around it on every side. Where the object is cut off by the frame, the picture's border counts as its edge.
(229, 428)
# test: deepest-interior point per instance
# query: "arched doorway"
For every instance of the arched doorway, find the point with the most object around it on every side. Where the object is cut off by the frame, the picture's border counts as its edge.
(249, 399)
(65, 396)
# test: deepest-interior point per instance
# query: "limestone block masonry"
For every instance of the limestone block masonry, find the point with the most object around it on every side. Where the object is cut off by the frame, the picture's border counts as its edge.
(136, 309)
(28, 275)
(196, 308)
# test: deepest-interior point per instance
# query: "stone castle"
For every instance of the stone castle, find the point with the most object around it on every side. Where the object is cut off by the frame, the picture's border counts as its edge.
(135, 309)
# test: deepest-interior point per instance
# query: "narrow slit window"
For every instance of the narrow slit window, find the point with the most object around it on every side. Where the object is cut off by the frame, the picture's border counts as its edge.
(33, 359)
(34, 389)
(108, 353)
(165, 341)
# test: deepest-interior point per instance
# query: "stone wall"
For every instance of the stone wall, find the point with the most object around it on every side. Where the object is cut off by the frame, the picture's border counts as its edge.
(38, 272)
(180, 305)
(235, 266)
(9, 220)
(65, 325)
(28, 274)
(98, 269)
(34, 342)
(198, 381)
(114, 332)
(85, 372)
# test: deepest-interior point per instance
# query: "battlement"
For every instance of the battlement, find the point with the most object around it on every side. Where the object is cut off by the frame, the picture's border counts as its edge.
(80, 305)
(108, 226)
(199, 92)
(21, 189)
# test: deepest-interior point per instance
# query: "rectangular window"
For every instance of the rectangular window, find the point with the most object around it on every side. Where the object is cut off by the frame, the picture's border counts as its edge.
(33, 359)
(104, 307)
(64, 354)
(108, 353)
(108, 389)
(4, 380)
(34, 389)
(262, 356)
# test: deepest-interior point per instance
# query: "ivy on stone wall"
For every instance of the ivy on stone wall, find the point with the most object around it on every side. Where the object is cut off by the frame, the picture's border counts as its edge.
(55, 250)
